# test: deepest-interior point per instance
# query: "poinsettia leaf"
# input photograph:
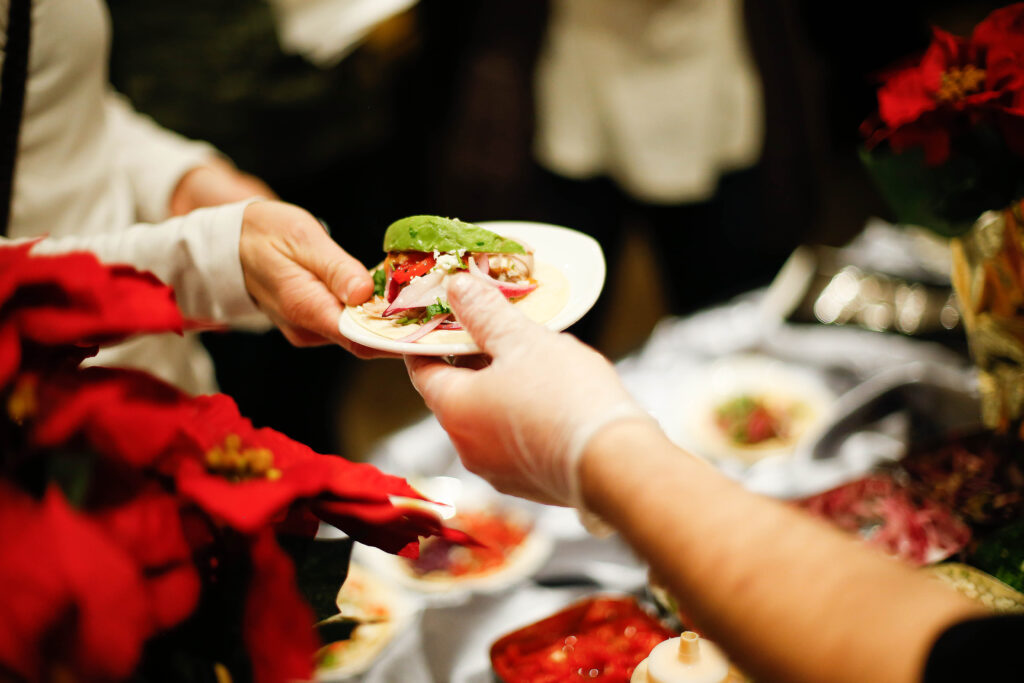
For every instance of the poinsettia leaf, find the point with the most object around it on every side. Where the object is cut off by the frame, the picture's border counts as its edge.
(979, 176)
(321, 566)
(72, 471)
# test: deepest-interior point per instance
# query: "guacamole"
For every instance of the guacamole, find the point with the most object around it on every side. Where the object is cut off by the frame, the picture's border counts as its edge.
(433, 233)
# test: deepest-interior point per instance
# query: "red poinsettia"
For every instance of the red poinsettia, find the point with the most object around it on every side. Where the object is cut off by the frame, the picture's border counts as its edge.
(247, 478)
(149, 527)
(276, 622)
(73, 599)
(124, 415)
(73, 300)
(170, 492)
(958, 83)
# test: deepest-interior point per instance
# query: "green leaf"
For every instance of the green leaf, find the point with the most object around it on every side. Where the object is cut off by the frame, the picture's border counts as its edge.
(320, 568)
(72, 472)
(981, 174)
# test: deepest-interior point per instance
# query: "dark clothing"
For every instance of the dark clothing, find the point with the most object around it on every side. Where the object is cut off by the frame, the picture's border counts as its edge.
(978, 650)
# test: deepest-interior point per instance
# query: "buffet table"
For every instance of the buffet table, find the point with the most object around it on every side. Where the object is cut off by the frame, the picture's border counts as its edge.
(449, 635)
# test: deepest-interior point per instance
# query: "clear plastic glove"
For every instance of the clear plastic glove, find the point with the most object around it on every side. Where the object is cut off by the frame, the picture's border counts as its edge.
(522, 421)
(299, 276)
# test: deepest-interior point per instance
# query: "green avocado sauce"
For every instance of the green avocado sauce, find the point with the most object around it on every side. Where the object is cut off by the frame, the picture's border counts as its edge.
(434, 233)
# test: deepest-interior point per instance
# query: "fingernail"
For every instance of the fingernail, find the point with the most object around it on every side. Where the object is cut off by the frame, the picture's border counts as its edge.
(358, 290)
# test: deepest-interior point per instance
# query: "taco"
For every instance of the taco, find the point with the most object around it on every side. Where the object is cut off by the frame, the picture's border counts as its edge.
(410, 301)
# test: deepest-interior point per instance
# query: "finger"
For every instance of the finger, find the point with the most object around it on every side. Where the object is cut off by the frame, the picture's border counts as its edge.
(434, 379)
(345, 277)
(495, 325)
(295, 334)
(303, 302)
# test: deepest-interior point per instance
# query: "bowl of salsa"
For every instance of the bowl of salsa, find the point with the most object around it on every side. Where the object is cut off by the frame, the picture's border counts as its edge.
(598, 639)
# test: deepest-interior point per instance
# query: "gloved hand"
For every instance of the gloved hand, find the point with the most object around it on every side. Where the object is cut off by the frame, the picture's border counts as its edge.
(522, 421)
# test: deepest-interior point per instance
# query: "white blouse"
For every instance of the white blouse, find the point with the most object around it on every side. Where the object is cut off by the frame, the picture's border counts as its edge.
(93, 174)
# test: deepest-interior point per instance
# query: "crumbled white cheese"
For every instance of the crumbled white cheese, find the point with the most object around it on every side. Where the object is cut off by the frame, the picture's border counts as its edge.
(446, 262)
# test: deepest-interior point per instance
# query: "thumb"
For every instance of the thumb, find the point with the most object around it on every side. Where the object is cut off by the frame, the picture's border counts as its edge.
(344, 275)
(495, 325)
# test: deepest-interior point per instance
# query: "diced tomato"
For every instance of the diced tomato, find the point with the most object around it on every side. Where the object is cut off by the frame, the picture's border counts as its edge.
(412, 267)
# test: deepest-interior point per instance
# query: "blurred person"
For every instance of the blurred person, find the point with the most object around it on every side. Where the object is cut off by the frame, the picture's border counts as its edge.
(650, 115)
(311, 96)
(787, 596)
(90, 172)
(279, 262)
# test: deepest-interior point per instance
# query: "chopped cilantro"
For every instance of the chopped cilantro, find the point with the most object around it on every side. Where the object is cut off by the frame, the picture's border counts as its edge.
(440, 308)
(378, 282)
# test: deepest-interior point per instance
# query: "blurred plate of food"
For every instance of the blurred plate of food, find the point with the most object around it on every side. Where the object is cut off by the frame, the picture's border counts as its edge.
(745, 409)
(892, 517)
(508, 549)
(372, 614)
(603, 637)
(983, 588)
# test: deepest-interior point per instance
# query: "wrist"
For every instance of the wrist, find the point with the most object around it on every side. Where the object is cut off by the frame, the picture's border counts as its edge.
(616, 441)
(622, 460)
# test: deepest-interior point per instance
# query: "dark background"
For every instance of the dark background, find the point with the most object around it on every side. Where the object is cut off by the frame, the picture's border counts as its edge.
(433, 114)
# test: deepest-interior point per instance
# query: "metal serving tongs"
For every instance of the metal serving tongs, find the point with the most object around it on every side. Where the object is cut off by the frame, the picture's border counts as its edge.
(939, 398)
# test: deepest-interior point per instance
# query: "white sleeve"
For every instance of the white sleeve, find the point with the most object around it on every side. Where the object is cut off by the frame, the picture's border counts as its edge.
(154, 158)
(196, 254)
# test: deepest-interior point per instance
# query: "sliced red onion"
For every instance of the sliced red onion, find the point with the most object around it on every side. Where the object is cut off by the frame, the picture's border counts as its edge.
(509, 289)
(420, 292)
(483, 262)
(390, 286)
(451, 325)
(426, 328)
(525, 259)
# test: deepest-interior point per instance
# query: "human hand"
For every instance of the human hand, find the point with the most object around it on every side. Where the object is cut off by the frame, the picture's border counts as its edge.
(523, 420)
(299, 276)
(214, 183)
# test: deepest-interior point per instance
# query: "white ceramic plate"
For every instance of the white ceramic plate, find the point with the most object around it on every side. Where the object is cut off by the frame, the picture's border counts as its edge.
(450, 495)
(369, 640)
(733, 376)
(577, 255)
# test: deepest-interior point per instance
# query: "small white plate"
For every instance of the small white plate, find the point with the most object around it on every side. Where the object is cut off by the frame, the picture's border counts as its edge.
(577, 255)
(732, 376)
(450, 495)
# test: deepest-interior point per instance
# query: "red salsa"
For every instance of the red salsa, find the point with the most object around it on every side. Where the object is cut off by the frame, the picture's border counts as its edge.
(749, 420)
(497, 536)
(599, 639)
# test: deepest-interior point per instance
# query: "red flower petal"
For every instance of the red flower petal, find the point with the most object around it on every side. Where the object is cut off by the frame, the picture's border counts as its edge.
(73, 300)
(278, 625)
(149, 528)
(125, 415)
(70, 594)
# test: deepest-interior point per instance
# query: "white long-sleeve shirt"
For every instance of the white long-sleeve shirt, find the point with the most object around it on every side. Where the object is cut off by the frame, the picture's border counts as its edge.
(94, 174)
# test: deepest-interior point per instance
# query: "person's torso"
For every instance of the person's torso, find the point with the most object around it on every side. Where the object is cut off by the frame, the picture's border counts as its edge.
(67, 179)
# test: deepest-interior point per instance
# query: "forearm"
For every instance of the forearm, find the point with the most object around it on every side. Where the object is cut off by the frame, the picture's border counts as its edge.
(790, 598)
(197, 255)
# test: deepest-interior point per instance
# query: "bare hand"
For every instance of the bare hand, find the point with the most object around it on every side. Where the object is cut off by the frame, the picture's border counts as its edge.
(299, 276)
